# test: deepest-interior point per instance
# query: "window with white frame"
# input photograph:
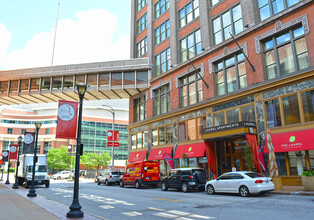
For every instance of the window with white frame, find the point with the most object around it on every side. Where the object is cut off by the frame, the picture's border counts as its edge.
(141, 4)
(162, 32)
(162, 62)
(230, 74)
(268, 8)
(160, 7)
(230, 21)
(285, 53)
(142, 23)
(162, 100)
(141, 48)
(214, 2)
(191, 89)
(189, 13)
(140, 108)
(191, 45)
(162, 135)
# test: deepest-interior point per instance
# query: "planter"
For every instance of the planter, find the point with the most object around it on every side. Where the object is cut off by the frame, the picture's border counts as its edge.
(308, 183)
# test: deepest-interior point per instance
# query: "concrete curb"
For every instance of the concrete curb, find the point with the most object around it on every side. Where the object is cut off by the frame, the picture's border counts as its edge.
(301, 193)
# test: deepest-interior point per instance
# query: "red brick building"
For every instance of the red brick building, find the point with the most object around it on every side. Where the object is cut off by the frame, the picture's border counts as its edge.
(222, 69)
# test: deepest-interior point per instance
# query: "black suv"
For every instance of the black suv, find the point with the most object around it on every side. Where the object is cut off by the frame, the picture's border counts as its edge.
(185, 179)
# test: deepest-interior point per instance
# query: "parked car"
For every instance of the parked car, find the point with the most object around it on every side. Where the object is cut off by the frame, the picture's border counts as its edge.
(109, 177)
(242, 182)
(184, 179)
(62, 175)
(145, 173)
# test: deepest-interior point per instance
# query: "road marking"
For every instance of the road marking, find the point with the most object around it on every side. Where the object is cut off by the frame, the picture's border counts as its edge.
(184, 218)
(178, 212)
(165, 215)
(156, 209)
(169, 200)
(58, 193)
(201, 216)
(107, 207)
(132, 213)
(66, 196)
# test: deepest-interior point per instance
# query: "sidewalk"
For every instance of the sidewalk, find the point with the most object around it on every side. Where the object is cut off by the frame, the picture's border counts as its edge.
(14, 204)
(293, 190)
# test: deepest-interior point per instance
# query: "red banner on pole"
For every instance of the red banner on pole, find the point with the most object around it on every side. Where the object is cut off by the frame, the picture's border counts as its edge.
(116, 144)
(67, 119)
(110, 135)
(13, 151)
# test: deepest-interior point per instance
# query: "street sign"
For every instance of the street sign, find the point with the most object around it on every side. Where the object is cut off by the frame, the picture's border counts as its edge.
(116, 144)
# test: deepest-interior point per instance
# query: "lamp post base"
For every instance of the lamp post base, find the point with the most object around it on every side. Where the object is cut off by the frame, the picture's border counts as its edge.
(15, 186)
(32, 193)
(75, 214)
(7, 182)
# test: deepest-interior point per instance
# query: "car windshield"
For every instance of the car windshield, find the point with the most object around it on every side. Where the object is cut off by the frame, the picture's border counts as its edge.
(197, 170)
(254, 175)
(116, 173)
(38, 168)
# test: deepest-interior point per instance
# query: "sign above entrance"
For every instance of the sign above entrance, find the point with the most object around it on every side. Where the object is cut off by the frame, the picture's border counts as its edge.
(235, 125)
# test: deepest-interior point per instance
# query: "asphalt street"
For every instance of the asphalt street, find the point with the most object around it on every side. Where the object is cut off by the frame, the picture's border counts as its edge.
(113, 202)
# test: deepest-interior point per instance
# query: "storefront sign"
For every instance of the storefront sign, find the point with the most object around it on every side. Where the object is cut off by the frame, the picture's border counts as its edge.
(293, 141)
(235, 125)
(137, 156)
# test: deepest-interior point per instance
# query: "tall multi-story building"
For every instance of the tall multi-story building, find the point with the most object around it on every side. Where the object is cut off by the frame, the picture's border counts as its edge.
(96, 121)
(223, 69)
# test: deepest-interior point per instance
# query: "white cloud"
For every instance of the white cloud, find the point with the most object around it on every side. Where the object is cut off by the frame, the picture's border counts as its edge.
(92, 37)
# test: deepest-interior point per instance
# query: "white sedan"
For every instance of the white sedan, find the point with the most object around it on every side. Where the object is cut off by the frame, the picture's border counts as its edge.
(242, 182)
(62, 175)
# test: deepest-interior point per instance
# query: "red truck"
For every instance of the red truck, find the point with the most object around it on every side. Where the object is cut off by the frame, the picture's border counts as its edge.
(146, 173)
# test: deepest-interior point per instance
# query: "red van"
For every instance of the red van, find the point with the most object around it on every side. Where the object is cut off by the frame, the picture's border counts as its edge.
(146, 173)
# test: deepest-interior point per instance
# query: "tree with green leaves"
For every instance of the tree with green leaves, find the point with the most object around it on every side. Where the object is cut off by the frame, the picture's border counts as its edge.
(92, 160)
(57, 158)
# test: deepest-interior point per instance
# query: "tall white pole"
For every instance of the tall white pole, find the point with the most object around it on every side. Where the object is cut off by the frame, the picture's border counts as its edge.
(113, 140)
(54, 41)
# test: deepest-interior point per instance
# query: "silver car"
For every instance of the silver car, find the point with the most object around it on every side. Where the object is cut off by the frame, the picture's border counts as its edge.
(109, 177)
(241, 182)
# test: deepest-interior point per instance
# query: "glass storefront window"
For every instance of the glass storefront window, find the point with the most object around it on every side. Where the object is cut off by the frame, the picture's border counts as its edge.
(291, 109)
(297, 162)
(183, 162)
(139, 140)
(219, 119)
(162, 138)
(145, 139)
(308, 105)
(192, 162)
(155, 137)
(273, 113)
(133, 141)
(169, 134)
(281, 163)
(181, 131)
(248, 113)
(311, 155)
(226, 164)
(191, 128)
(201, 124)
(233, 116)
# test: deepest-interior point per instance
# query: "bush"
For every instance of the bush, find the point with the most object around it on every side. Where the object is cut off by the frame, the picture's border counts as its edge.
(308, 173)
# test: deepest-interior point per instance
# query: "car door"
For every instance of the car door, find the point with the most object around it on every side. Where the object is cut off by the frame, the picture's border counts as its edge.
(234, 182)
(173, 178)
(221, 184)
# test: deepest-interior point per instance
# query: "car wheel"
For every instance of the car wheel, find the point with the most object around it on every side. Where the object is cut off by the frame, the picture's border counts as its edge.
(137, 185)
(121, 184)
(185, 187)
(98, 182)
(210, 189)
(59, 178)
(106, 183)
(47, 184)
(244, 191)
(164, 186)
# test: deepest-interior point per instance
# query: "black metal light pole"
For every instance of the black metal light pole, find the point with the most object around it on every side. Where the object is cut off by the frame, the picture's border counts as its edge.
(32, 191)
(8, 182)
(16, 185)
(75, 208)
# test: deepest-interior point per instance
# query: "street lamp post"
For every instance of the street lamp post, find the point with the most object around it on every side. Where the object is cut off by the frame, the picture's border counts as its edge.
(32, 191)
(75, 208)
(16, 185)
(113, 116)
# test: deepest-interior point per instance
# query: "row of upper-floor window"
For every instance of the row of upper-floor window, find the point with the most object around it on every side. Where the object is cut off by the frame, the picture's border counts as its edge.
(68, 82)
(225, 24)
(27, 122)
(282, 54)
(23, 131)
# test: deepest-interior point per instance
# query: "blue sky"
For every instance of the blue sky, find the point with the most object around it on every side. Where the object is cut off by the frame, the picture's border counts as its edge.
(88, 31)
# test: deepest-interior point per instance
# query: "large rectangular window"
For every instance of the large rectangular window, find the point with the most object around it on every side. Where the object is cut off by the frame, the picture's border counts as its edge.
(214, 2)
(162, 32)
(141, 4)
(169, 134)
(155, 137)
(141, 24)
(191, 89)
(230, 75)
(291, 109)
(140, 108)
(269, 8)
(191, 45)
(189, 13)
(160, 7)
(141, 48)
(162, 62)
(273, 113)
(162, 100)
(308, 105)
(230, 21)
(285, 53)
